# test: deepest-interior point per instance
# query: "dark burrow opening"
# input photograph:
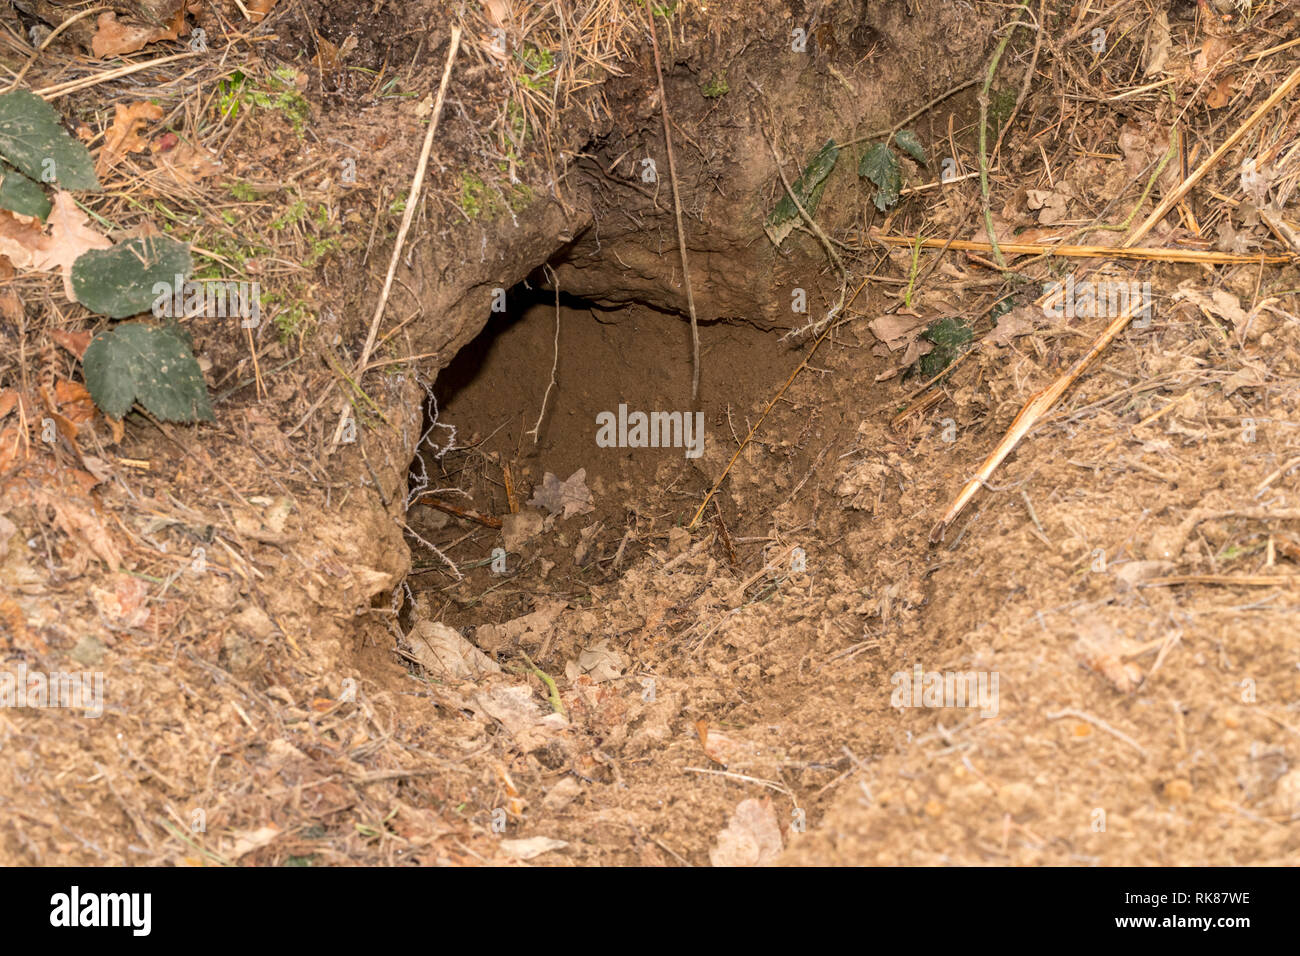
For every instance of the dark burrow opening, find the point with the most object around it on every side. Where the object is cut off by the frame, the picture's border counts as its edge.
(472, 488)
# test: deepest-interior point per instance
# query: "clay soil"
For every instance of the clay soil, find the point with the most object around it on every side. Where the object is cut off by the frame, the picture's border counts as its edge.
(649, 688)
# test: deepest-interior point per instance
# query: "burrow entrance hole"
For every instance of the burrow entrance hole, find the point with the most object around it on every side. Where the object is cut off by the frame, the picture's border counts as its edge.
(492, 393)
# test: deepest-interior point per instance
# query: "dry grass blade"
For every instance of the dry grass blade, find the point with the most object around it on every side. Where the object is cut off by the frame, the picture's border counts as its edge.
(1152, 254)
(1039, 405)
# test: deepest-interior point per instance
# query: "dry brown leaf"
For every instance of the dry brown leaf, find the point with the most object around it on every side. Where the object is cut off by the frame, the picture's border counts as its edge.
(1021, 320)
(80, 524)
(327, 55)
(598, 663)
(258, 9)
(1220, 95)
(497, 11)
(1250, 375)
(521, 715)
(246, 841)
(1104, 652)
(11, 307)
(897, 330)
(29, 247)
(124, 135)
(570, 496)
(442, 651)
(1211, 53)
(20, 635)
(752, 836)
(529, 630)
(529, 847)
(65, 426)
(20, 237)
(82, 479)
(126, 605)
(1051, 206)
(187, 164)
(75, 342)
(12, 447)
(721, 748)
(177, 27)
(113, 38)
(915, 350)
(1220, 303)
(74, 401)
(1159, 44)
(70, 236)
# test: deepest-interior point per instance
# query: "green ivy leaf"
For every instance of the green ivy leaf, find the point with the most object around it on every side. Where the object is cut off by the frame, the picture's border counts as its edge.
(948, 336)
(949, 333)
(118, 282)
(808, 187)
(880, 165)
(34, 140)
(19, 194)
(909, 144)
(152, 365)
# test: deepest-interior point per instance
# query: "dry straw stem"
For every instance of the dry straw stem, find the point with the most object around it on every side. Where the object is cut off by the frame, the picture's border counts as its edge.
(518, 41)
(1148, 254)
(413, 201)
(429, 499)
(1039, 405)
(85, 83)
(1248, 580)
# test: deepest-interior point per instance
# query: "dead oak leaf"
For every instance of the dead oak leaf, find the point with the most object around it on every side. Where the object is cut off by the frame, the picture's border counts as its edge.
(124, 135)
(571, 496)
